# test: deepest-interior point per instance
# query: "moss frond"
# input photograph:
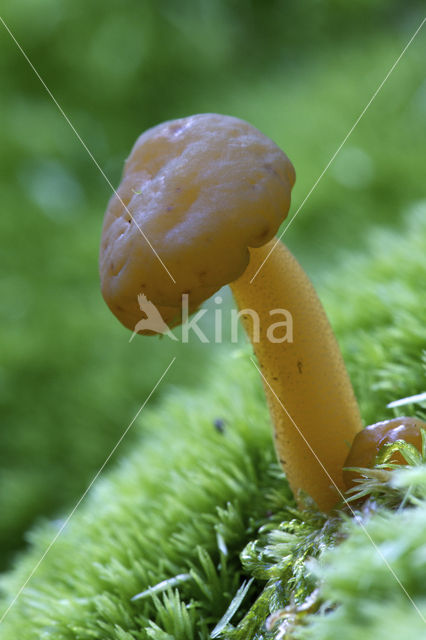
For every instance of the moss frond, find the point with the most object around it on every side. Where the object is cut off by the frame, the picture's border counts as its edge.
(372, 584)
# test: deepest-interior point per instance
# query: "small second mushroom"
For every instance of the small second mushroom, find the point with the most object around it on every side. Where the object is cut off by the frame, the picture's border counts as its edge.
(210, 192)
(368, 443)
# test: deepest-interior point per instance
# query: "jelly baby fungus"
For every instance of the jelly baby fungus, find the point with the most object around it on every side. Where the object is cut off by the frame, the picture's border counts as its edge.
(210, 192)
(368, 443)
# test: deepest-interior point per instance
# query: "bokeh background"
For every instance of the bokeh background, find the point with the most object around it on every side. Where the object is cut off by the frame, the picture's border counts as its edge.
(302, 72)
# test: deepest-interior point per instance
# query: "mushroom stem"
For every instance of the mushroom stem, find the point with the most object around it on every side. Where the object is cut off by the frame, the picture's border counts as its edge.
(310, 397)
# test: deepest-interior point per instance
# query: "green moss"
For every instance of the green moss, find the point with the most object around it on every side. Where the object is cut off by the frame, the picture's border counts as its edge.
(378, 309)
(209, 510)
(187, 501)
(373, 584)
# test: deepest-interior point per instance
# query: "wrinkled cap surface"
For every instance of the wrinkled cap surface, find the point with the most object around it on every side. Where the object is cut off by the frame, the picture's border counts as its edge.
(202, 190)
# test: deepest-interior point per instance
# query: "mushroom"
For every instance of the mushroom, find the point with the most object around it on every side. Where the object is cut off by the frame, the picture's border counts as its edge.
(209, 192)
(368, 442)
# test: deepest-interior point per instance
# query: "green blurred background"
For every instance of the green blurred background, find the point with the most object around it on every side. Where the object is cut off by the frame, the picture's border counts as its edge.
(300, 71)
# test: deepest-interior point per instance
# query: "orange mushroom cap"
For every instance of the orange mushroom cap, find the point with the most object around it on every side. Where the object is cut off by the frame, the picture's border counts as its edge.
(202, 189)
